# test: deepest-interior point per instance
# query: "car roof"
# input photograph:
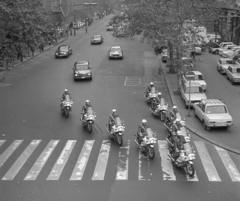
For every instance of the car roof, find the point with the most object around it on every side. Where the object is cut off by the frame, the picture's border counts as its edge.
(197, 72)
(115, 47)
(212, 102)
(225, 59)
(97, 35)
(234, 65)
(193, 84)
(82, 62)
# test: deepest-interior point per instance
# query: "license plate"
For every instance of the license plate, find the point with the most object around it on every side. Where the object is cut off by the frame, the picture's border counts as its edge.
(82, 77)
(221, 124)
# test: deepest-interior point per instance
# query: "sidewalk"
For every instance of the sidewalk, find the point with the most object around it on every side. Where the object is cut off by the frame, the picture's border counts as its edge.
(36, 53)
(191, 124)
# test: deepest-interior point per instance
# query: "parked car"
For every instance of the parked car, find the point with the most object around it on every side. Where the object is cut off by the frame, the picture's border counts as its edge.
(215, 48)
(233, 73)
(211, 38)
(226, 47)
(63, 51)
(164, 55)
(97, 39)
(230, 52)
(223, 64)
(109, 28)
(196, 93)
(212, 113)
(198, 77)
(82, 70)
(115, 52)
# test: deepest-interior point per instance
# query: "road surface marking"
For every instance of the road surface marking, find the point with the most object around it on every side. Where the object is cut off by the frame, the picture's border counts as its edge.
(61, 161)
(35, 61)
(2, 142)
(122, 168)
(229, 164)
(8, 152)
(138, 81)
(207, 162)
(42, 159)
(101, 165)
(12, 172)
(167, 167)
(82, 160)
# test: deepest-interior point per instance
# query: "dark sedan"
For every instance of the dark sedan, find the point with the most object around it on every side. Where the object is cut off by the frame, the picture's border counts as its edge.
(63, 51)
(82, 70)
(97, 39)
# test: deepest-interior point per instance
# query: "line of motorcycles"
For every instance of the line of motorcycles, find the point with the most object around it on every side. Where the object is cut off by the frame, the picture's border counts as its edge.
(178, 139)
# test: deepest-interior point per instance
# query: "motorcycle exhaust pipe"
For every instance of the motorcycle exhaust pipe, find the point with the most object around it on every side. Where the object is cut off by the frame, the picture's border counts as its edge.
(137, 143)
(171, 157)
(169, 142)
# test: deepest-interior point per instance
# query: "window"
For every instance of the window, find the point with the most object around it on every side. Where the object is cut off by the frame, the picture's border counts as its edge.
(63, 48)
(115, 49)
(216, 109)
(193, 90)
(230, 69)
(82, 67)
(230, 62)
(199, 77)
(238, 70)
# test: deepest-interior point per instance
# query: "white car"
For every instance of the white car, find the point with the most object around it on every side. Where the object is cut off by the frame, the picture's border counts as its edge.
(196, 93)
(215, 49)
(223, 64)
(198, 77)
(230, 52)
(115, 52)
(212, 113)
(226, 47)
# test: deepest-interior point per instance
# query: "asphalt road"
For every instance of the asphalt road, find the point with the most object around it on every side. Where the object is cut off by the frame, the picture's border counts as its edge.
(45, 156)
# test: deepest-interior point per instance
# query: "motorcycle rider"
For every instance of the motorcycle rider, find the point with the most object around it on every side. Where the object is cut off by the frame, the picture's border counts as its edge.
(142, 131)
(112, 119)
(172, 115)
(178, 141)
(157, 101)
(149, 88)
(85, 108)
(64, 95)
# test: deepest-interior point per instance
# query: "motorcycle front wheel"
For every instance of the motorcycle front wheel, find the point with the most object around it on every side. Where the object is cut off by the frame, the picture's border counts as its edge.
(67, 113)
(190, 169)
(162, 116)
(119, 140)
(89, 127)
(151, 152)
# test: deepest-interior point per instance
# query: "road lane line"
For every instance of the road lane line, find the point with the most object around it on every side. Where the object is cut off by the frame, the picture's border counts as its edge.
(125, 82)
(207, 162)
(42, 159)
(167, 167)
(12, 172)
(101, 165)
(81, 164)
(61, 161)
(122, 168)
(7, 153)
(229, 164)
(2, 142)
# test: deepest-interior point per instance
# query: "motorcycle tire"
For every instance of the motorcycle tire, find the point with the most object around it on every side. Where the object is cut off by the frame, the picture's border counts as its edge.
(162, 116)
(89, 127)
(66, 113)
(119, 140)
(190, 169)
(151, 152)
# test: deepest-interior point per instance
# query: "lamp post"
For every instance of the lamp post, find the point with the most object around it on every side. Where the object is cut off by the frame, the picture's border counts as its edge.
(190, 75)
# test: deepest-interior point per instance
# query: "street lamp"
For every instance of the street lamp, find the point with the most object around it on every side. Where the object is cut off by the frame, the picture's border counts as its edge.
(190, 75)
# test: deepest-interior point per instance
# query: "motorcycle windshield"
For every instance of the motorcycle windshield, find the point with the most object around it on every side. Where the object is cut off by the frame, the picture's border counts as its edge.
(118, 121)
(90, 111)
(149, 132)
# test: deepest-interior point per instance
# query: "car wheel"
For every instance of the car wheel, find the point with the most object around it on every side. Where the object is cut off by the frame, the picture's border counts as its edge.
(186, 106)
(232, 82)
(109, 58)
(216, 52)
(195, 113)
(67, 56)
(218, 69)
(90, 78)
(205, 126)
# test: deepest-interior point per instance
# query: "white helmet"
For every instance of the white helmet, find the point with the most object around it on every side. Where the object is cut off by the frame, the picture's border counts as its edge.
(174, 107)
(114, 111)
(144, 122)
(65, 90)
(151, 84)
(179, 133)
(159, 93)
(87, 102)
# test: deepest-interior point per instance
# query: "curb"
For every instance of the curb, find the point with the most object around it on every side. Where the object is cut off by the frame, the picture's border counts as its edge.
(187, 126)
(48, 48)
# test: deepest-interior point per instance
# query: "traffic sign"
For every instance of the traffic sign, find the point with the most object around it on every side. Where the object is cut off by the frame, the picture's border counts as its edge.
(190, 75)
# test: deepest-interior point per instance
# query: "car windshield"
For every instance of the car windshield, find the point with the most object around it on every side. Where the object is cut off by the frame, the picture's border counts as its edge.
(194, 89)
(216, 109)
(228, 62)
(82, 67)
(199, 77)
(63, 48)
(96, 37)
(113, 49)
(236, 70)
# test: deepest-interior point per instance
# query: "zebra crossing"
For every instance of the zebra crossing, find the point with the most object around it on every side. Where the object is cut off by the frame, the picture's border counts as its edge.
(167, 169)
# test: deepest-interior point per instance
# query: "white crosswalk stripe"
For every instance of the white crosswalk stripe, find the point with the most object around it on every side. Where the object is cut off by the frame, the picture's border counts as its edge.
(12, 172)
(145, 165)
(139, 81)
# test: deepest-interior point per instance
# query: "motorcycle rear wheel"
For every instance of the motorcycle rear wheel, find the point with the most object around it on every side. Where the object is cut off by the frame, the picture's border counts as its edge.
(119, 140)
(151, 152)
(66, 113)
(162, 116)
(190, 170)
(89, 127)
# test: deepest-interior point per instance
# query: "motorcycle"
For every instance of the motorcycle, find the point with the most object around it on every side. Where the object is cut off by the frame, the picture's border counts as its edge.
(117, 131)
(160, 111)
(66, 107)
(88, 119)
(147, 144)
(151, 96)
(171, 125)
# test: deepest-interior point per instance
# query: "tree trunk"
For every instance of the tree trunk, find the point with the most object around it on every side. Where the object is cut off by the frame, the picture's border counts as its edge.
(171, 67)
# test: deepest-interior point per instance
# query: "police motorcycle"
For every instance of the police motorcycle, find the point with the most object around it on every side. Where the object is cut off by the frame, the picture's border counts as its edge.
(151, 96)
(117, 131)
(88, 119)
(66, 105)
(147, 144)
(180, 157)
(160, 110)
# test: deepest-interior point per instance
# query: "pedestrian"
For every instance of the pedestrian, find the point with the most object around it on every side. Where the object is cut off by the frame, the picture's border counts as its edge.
(32, 49)
(193, 53)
